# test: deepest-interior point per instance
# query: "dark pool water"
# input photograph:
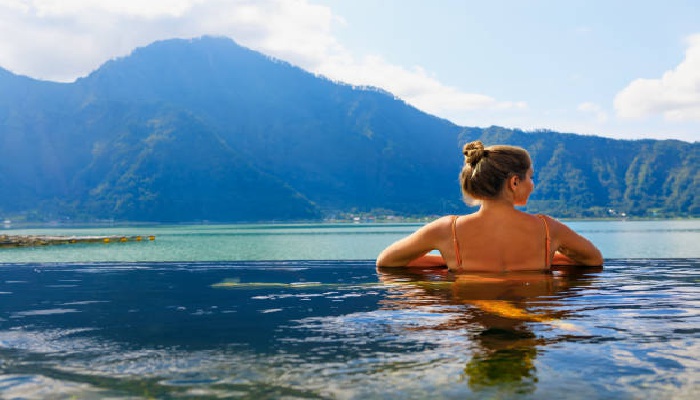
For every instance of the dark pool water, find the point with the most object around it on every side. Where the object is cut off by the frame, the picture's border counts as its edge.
(343, 330)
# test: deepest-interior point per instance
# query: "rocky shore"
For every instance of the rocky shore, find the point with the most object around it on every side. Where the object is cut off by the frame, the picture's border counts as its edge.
(41, 240)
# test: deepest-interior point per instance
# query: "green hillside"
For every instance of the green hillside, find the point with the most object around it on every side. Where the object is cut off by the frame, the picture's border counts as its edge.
(192, 130)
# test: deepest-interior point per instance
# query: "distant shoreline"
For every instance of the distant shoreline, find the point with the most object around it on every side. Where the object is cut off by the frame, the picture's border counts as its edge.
(393, 221)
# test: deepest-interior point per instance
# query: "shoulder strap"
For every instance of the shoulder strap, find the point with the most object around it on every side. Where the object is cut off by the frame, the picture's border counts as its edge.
(547, 240)
(454, 240)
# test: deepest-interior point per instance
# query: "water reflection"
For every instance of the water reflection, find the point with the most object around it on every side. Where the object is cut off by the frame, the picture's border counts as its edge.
(498, 314)
(331, 329)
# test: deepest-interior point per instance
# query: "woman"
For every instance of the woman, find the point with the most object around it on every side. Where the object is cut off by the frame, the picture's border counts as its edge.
(498, 237)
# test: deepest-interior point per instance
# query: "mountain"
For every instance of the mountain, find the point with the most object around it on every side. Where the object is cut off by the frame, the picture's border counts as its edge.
(204, 129)
(590, 176)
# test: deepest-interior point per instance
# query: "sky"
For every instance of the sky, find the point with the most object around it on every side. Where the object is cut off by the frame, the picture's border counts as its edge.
(627, 69)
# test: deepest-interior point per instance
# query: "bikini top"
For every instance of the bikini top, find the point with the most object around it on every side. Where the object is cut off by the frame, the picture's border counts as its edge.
(547, 240)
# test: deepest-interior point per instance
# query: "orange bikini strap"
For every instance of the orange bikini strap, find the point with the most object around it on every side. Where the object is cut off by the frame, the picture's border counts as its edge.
(547, 240)
(454, 240)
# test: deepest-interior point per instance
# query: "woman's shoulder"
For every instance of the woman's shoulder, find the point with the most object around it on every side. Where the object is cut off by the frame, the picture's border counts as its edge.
(551, 221)
(435, 231)
(449, 219)
(443, 222)
(443, 225)
(556, 227)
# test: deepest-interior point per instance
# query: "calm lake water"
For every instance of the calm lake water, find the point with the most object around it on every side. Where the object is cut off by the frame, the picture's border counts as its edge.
(616, 239)
(299, 312)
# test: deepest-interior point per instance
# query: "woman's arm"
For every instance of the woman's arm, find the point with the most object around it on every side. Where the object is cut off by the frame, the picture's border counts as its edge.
(413, 249)
(562, 259)
(573, 249)
(428, 260)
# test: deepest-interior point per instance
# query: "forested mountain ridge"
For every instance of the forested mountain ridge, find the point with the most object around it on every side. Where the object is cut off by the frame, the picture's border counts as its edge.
(203, 129)
(589, 176)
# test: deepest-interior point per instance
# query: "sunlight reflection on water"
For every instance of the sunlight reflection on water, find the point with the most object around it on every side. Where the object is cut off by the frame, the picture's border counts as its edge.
(333, 329)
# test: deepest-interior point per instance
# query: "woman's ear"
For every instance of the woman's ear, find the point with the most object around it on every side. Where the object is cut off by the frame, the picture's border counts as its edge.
(513, 182)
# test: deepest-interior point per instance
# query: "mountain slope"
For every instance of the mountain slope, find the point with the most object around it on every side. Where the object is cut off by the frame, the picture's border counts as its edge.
(306, 130)
(588, 176)
(203, 129)
(152, 172)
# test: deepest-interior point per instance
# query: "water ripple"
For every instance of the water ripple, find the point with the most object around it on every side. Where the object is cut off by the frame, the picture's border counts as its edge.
(166, 330)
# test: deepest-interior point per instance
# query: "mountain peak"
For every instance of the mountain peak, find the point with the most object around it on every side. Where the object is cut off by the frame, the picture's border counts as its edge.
(188, 129)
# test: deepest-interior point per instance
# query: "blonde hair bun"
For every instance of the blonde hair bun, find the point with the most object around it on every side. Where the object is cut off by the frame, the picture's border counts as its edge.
(473, 152)
(486, 170)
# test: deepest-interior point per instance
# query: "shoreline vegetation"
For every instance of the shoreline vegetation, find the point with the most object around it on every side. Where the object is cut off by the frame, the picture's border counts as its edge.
(10, 224)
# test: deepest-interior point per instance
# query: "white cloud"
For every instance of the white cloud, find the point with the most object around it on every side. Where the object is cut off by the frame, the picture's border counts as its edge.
(141, 9)
(675, 96)
(413, 85)
(65, 39)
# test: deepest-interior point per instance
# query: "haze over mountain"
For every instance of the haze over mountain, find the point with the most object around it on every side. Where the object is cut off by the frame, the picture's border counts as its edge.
(203, 129)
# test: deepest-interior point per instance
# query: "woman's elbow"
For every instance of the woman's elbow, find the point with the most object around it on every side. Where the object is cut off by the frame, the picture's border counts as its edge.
(379, 262)
(382, 260)
(389, 259)
(591, 257)
(598, 260)
(595, 259)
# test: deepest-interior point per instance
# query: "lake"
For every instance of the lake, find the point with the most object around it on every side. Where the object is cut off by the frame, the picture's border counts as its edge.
(616, 239)
(299, 311)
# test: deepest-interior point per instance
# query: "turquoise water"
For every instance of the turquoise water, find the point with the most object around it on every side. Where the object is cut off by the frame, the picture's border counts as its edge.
(221, 312)
(616, 239)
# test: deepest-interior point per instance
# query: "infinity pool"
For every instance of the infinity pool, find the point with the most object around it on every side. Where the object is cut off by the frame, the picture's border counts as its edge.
(343, 330)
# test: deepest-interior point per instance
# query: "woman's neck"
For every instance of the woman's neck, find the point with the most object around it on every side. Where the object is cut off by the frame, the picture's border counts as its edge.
(500, 203)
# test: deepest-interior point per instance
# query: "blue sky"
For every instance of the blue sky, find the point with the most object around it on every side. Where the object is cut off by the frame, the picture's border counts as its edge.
(622, 69)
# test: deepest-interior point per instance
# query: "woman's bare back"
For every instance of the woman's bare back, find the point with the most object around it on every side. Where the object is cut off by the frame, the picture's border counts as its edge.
(499, 242)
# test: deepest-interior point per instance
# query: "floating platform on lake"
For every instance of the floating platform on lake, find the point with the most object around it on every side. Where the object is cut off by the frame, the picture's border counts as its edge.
(42, 240)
